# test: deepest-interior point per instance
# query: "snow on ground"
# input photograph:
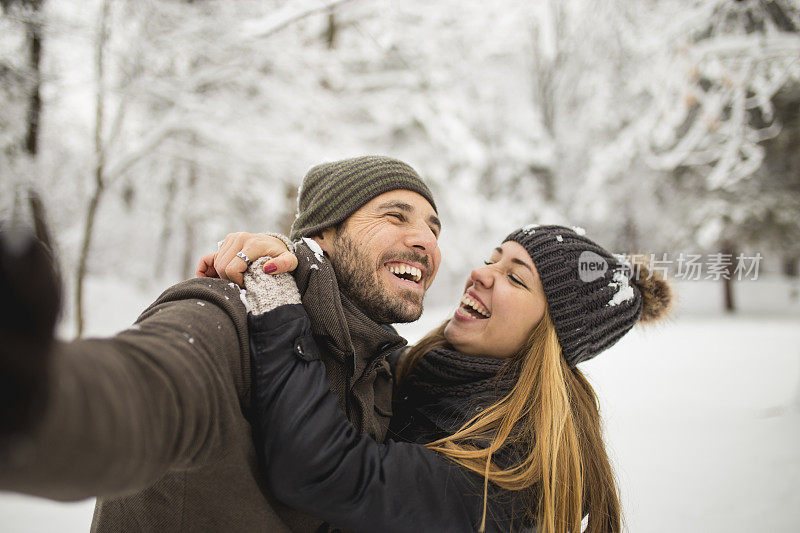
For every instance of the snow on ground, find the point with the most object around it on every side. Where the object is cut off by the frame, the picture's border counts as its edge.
(702, 414)
(703, 421)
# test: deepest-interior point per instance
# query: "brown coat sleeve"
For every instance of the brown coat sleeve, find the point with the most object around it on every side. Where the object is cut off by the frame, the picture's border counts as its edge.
(123, 411)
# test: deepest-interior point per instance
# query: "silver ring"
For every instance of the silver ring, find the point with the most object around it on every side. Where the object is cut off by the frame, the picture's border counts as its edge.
(241, 255)
(219, 244)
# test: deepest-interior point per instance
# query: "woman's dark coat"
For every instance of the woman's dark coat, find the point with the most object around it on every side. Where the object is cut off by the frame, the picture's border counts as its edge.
(316, 462)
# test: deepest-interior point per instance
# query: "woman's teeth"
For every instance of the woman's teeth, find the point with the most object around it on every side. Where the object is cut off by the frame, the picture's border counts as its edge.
(469, 303)
(404, 271)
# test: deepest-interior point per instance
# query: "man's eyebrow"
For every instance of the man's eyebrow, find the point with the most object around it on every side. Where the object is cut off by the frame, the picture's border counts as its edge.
(402, 206)
(408, 208)
(515, 260)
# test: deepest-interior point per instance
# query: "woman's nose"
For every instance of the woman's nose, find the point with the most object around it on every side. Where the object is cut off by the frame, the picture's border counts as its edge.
(483, 275)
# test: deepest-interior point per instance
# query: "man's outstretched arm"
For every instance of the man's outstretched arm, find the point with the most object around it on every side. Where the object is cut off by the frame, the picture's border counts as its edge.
(118, 413)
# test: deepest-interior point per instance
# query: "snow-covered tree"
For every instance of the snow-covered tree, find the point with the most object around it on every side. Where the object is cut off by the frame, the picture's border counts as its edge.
(654, 124)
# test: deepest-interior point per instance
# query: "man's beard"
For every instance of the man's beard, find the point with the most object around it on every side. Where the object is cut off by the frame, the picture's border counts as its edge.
(360, 282)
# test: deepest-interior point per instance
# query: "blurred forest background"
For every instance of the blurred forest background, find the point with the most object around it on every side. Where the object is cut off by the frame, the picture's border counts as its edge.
(144, 131)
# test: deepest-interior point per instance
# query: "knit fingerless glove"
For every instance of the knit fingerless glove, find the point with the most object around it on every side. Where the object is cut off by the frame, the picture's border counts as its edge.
(265, 292)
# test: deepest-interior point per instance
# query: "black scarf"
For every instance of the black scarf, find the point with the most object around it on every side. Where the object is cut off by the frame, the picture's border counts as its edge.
(444, 390)
(444, 372)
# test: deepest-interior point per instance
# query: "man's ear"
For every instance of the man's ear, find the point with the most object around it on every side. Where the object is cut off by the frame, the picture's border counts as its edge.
(325, 239)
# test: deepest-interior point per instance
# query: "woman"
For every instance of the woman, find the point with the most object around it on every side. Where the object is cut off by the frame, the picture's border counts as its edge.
(494, 426)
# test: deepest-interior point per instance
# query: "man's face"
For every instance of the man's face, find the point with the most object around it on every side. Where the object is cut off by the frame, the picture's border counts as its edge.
(386, 255)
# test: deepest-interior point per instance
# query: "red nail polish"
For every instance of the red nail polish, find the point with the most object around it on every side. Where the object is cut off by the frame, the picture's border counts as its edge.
(269, 268)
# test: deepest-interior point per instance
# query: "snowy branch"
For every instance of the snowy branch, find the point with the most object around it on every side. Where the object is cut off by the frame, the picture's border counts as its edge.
(145, 147)
(275, 22)
(766, 46)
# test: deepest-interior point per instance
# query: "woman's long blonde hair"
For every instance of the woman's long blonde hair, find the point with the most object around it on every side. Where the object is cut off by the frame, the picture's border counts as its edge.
(552, 416)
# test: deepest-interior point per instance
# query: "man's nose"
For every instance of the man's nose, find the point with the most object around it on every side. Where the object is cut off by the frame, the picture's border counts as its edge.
(423, 239)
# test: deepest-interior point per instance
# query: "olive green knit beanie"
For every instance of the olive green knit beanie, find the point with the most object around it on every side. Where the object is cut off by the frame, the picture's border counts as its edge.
(331, 192)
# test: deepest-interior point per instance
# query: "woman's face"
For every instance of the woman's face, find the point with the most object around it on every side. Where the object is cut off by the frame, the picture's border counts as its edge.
(501, 305)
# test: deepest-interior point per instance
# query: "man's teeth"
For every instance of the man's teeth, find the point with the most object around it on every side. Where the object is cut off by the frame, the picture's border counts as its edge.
(401, 268)
(469, 302)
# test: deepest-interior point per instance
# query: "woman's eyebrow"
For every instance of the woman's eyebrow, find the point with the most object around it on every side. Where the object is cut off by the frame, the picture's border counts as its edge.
(523, 263)
(515, 260)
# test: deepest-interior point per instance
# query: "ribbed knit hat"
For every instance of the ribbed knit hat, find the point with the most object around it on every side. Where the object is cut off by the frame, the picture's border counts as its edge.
(331, 192)
(592, 294)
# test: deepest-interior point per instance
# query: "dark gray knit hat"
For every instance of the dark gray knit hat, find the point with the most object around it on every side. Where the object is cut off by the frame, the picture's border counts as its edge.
(331, 192)
(592, 295)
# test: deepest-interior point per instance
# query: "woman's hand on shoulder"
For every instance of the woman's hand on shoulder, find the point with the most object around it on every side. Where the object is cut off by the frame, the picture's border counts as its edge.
(226, 264)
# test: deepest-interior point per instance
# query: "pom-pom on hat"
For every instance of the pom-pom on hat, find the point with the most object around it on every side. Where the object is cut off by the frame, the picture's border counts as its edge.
(594, 297)
(331, 192)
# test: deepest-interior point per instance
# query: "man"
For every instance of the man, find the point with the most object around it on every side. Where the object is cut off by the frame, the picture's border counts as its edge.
(156, 421)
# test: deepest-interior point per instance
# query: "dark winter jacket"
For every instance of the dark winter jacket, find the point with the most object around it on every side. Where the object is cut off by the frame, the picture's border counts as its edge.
(157, 419)
(317, 462)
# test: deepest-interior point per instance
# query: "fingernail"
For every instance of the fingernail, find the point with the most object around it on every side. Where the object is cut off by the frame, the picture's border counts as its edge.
(269, 268)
